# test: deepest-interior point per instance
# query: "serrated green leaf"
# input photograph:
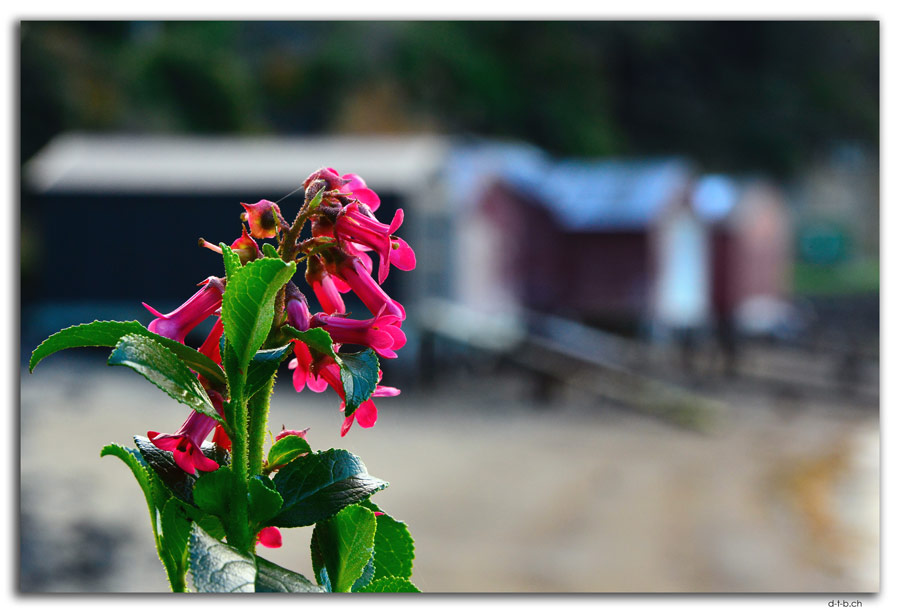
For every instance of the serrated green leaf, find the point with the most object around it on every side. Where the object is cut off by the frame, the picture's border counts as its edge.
(265, 501)
(176, 531)
(317, 486)
(217, 567)
(163, 368)
(248, 304)
(264, 364)
(359, 374)
(180, 483)
(236, 378)
(315, 338)
(286, 450)
(269, 250)
(231, 259)
(156, 496)
(343, 546)
(394, 546)
(108, 333)
(273, 578)
(213, 491)
(390, 584)
(367, 575)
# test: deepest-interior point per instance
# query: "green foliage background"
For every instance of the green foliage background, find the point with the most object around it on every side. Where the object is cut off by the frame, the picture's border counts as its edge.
(733, 95)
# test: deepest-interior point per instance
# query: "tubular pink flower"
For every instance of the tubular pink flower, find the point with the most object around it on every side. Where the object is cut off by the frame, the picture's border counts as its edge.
(210, 347)
(323, 287)
(354, 274)
(361, 192)
(301, 365)
(178, 323)
(367, 413)
(185, 444)
(356, 224)
(402, 255)
(382, 333)
(269, 537)
(263, 218)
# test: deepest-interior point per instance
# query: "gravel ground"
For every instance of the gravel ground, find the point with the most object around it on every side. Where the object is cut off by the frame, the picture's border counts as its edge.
(501, 494)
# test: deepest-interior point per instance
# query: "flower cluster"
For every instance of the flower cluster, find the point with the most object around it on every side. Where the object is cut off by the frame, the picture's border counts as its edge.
(339, 255)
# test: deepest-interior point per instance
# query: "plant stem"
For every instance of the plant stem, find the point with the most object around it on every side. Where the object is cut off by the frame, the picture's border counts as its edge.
(259, 417)
(287, 250)
(238, 531)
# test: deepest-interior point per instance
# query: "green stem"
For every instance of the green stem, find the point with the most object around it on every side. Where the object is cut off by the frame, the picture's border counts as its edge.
(259, 418)
(238, 529)
(287, 250)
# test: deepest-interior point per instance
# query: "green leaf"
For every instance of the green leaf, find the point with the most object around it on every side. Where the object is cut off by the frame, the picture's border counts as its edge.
(213, 491)
(217, 567)
(235, 375)
(248, 304)
(176, 531)
(157, 499)
(390, 584)
(264, 364)
(359, 374)
(232, 260)
(315, 338)
(163, 368)
(265, 501)
(343, 546)
(359, 371)
(317, 486)
(272, 578)
(286, 450)
(316, 201)
(155, 494)
(394, 545)
(108, 333)
(163, 464)
(367, 575)
(269, 250)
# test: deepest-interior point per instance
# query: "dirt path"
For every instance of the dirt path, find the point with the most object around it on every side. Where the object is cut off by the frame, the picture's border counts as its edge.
(501, 495)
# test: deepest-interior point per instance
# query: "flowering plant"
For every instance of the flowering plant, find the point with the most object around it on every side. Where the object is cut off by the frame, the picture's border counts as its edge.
(211, 503)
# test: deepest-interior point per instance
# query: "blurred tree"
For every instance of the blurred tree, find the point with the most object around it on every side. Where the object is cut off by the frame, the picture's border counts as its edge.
(733, 95)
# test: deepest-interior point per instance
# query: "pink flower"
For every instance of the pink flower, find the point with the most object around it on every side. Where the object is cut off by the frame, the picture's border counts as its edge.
(210, 347)
(303, 367)
(353, 272)
(328, 373)
(382, 333)
(263, 217)
(185, 444)
(269, 537)
(178, 323)
(323, 286)
(356, 224)
(357, 187)
(402, 255)
(367, 413)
